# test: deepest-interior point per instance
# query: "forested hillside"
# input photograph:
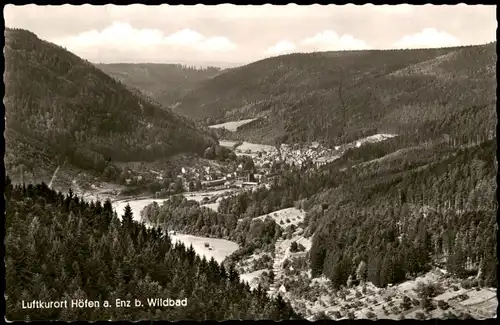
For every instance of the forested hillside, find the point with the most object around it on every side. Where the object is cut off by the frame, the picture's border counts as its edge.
(187, 216)
(64, 109)
(399, 211)
(166, 83)
(342, 96)
(60, 247)
(402, 222)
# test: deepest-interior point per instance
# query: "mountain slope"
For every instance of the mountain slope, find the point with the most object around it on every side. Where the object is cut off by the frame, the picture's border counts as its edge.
(418, 207)
(341, 96)
(166, 83)
(61, 108)
(60, 248)
(406, 219)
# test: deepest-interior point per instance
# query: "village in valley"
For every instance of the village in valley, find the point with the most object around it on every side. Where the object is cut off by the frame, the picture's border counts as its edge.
(256, 167)
(252, 166)
(277, 163)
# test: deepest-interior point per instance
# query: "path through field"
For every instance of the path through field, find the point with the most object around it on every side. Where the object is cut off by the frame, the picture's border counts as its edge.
(279, 258)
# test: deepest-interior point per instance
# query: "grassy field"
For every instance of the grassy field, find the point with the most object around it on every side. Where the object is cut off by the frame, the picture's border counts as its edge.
(385, 303)
(231, 126)
(254, 147)
(136, 205)
(286, 217)
(252, 278)
(221, 248)
(227, 143)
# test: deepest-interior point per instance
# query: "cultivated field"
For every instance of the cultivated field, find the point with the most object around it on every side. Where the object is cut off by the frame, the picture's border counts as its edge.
(221, 248)
(386, 303)
(252, 278)
(286, 217)
(227, 143)
(374, 138)
(136, 205)
(248, 147)
(231, 126)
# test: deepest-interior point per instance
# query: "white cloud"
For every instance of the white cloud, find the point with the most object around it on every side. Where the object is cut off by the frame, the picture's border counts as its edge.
(185, 37)
(118, 34)
(427, 38)
(159, 34)
(282, 47)
(217, 44)
(329, 40)
(123, 37)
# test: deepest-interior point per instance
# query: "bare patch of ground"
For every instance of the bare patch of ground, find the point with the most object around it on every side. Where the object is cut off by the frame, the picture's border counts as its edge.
(232, 125)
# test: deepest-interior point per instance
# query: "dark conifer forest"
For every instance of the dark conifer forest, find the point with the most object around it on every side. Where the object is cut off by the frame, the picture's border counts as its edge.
(59, 247)
(401, 216)
(62, 109)
(339, 97)
(166, 83)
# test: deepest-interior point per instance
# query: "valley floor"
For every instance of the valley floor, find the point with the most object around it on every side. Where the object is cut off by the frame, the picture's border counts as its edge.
(217, 248)
(313, 297)
(231, 126)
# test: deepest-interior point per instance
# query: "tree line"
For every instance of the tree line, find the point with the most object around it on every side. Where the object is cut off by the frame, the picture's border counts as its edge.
(60, 247)
(188, 216)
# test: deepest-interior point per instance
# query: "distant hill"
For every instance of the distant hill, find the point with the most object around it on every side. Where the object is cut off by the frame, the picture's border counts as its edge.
(62, 109)
(166, 83)
(341, 96)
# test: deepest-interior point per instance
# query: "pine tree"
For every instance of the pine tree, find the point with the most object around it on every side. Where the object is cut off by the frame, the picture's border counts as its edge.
(127, 217)
(223, 273)
(233, 274)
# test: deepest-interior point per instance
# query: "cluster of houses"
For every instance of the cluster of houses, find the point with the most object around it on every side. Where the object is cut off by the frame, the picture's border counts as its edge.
(295, 154)
(235, 180)
(298, 155)
(319, 155)
(207, 177)
(215, 178)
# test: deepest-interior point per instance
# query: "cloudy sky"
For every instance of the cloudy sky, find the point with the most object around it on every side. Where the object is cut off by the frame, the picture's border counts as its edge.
(241, 34)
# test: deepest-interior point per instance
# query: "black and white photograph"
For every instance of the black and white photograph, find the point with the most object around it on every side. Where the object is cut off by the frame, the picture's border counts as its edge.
(250, 162)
